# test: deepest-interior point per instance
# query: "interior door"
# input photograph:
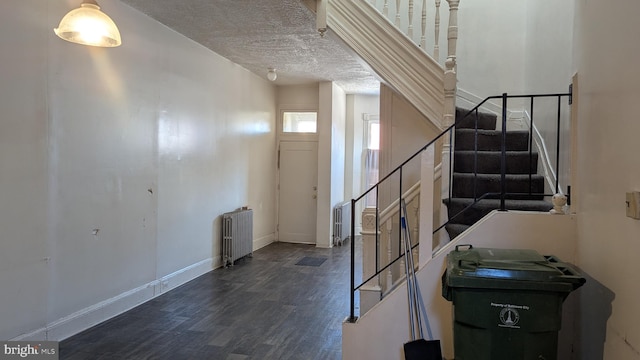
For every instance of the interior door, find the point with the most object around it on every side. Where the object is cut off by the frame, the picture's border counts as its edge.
(298, 191)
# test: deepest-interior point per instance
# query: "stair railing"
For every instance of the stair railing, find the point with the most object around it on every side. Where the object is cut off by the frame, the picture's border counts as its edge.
(386, 217)
(407, 12)
(555, 188)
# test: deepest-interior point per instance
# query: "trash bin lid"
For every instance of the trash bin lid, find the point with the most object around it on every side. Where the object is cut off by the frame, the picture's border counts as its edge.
(509, 269)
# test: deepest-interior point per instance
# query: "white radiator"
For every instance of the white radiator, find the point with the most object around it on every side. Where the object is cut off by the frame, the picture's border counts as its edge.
(341, 223)
(237, 235)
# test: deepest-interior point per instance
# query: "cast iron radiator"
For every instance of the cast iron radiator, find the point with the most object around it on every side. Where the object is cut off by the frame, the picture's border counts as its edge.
(237, 235)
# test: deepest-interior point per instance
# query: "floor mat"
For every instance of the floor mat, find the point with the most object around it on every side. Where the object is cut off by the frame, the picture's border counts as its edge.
(311, 261)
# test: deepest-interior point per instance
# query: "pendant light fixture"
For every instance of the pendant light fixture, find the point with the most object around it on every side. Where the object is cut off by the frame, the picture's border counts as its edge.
(87, 25)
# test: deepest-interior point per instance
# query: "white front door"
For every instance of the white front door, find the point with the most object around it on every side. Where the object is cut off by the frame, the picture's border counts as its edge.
(298, 191)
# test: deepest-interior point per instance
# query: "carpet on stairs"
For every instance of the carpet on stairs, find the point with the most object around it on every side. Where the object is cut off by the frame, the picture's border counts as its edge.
(477, 172)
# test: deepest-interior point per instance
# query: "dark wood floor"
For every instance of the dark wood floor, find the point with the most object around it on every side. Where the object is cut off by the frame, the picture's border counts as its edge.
(265, 307)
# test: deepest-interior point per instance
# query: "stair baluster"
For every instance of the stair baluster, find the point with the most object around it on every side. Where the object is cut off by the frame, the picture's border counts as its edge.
(452, 32)
(436, 47)
(389, 228)
(410, 28)
(423, 27)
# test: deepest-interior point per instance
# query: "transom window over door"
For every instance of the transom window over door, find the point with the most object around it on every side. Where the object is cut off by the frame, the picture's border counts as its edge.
(301, 122)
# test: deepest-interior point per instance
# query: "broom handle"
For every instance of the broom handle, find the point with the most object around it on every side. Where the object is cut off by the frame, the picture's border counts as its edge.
(410, 294)
(412, 270)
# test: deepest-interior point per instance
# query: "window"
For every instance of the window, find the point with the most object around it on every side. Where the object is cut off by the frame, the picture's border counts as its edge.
(371, 156)
(299, 122)
(373, 136)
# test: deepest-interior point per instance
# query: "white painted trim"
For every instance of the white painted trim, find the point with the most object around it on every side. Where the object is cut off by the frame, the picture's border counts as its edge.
(543, 155)
(574, 178)
(72, 324)
(402, 65)
(437, 172)
(468, 100)
(261, 242)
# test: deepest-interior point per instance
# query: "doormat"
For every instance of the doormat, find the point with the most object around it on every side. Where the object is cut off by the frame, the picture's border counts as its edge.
(311, 261)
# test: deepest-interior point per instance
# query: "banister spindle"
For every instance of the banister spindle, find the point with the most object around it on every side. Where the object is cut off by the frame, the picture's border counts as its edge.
(389, 228)
(452, 31)
(397, 22)
(410, 29)
(416, 230)
(385, 9)
(436, 47)
(423, 37)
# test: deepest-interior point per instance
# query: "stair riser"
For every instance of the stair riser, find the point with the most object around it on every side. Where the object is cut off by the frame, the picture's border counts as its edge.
(478, 211)
(482, 171)
(483, 120)
(516, 141)
(463, 186)
(469, 217)
(491, 163)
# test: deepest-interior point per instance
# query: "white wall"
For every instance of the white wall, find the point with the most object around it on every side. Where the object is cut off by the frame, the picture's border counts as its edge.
(380, 333)
(606, 42)
(357, 107)
(491, 38)
(548, 69)
(331, 158)
(403, 131)
(24, 248)
(145, 145)
(298, 97)
(338, 145)
(354, 181)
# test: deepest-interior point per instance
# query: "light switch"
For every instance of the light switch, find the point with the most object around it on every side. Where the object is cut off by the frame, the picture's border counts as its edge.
(633, 204)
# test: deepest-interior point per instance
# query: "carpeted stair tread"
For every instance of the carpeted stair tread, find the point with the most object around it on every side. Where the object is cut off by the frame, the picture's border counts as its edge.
(517, 140)
(455, 229)
(485, 206)
(478, 173)
(485, 120)
(464, 183)
(490, 162)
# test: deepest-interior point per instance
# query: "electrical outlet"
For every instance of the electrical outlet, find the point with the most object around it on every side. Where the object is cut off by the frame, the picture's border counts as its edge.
(633, 204)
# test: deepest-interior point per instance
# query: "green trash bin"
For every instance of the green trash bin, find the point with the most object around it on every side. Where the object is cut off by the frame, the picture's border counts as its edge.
(507, 303)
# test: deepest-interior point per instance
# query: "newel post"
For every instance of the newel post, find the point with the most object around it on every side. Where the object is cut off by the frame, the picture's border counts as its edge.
(450, 80)
(449, 119)
(371, 292)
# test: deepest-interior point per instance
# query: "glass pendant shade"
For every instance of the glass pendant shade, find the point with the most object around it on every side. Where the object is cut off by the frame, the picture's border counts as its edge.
(87, 25)
(271, 75)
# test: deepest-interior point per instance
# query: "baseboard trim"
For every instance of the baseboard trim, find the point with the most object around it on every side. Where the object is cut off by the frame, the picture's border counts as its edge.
(261, 242)
(90, 316)
(468, 100)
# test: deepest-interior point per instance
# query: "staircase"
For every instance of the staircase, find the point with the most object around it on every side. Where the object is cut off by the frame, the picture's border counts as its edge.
(478, 176)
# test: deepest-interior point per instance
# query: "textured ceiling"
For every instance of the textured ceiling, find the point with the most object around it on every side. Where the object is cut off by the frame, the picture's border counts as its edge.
(262, 34)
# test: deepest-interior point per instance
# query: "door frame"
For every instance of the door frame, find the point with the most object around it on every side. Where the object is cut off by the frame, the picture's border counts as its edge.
(285, 137)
